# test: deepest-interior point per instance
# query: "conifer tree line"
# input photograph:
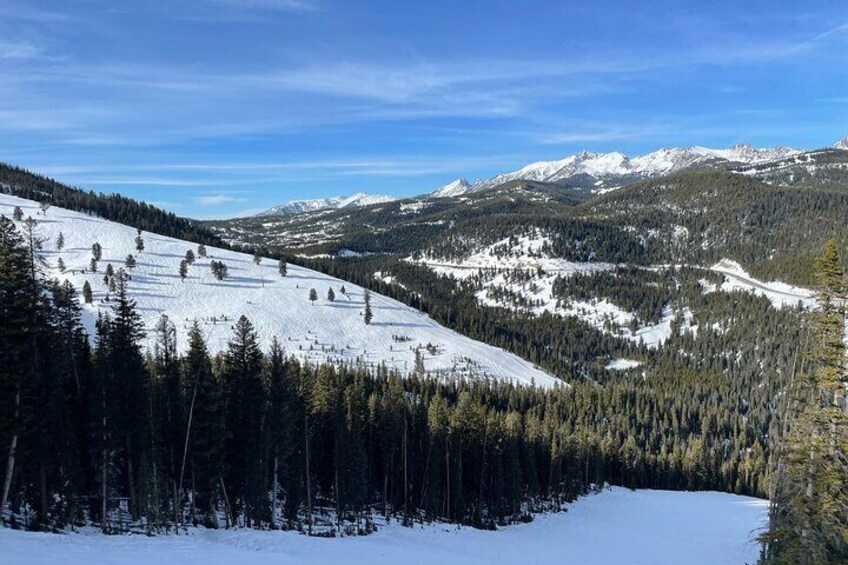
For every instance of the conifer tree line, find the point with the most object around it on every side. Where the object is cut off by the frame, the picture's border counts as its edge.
(112, 435)
(115, 207)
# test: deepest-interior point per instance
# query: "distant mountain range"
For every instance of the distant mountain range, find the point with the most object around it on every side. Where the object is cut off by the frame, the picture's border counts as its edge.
(594, 172)
(331, 203)
(604, 171)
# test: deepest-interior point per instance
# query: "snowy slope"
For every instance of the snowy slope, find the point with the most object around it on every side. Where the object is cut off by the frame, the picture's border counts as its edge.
(614, 527)
(841, 144)
(780, 294)
(601, 170)
(332, 203)
(277, 306)
(455, 188)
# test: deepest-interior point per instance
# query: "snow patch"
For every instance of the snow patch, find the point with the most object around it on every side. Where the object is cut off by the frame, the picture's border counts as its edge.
(622, 364)
(780, 294)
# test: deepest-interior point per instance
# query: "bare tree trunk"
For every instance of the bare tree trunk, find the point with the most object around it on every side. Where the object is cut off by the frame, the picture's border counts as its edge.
(104, 474)
(405, 473)
(274, 496)
(447, 478)
(134, 511)
(338, 502)
(230, 517)
(42, 484)
(185, 448)
(10, 459)
(308, 485)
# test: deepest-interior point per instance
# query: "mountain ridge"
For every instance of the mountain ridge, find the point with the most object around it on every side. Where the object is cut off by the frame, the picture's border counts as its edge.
(329, 203)
(600, 171)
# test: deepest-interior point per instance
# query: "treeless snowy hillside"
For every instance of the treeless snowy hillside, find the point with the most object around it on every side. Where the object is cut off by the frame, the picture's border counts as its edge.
(615, 527)
(277, 306)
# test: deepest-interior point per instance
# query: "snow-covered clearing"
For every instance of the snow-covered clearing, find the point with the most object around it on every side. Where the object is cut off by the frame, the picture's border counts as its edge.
(622, 364)
(527, 253)
(277, 306)
(522, 252)
(780, 294)
(615, 527)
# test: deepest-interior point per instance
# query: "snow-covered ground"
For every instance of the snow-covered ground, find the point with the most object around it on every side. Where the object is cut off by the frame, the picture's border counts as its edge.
(615, 527)
(523, 252)
(526, 253)
(277, 306)
(622, 364)
(780, 294)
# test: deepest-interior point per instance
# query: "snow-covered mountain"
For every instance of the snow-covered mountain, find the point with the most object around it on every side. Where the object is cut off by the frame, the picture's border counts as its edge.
(604, 170)
(456, 188)
(842, 143)
(331, 203)
(331, 331)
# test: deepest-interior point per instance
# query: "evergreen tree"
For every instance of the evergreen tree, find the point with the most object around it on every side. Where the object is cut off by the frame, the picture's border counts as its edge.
(139, 241)
(92, 266)
(17, 214)
(201, 250)
(219, 270)
(282, 267)
(282, 431)
(126, 382)
(257, 258)
(60, 241)
(330, 294)
(368, 314)
(204, 433)
(313, 295)
(189, 257)
(86, 293)
(96, 251)
(183, 269)
(809, 516)
(245, 394)
(60, 264)
(130, 262)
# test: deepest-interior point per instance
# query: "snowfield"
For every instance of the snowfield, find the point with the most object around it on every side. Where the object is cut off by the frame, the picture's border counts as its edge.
(780, 294)
(614, 527)
(277, 306)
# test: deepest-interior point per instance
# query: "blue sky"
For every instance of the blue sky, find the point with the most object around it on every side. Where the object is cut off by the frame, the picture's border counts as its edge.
(215, 107)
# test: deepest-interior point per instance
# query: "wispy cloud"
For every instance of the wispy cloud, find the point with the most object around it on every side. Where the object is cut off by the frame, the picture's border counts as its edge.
(285, 5)
(18, 50)
(217, 199)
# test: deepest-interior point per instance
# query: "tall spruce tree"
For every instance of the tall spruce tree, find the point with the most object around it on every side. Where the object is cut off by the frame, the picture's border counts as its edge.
(204, 434)
(809, 515)
(245, 394)
(126, 388)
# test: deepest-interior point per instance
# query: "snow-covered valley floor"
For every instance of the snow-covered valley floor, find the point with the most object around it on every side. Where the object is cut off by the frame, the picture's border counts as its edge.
(615, 527)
